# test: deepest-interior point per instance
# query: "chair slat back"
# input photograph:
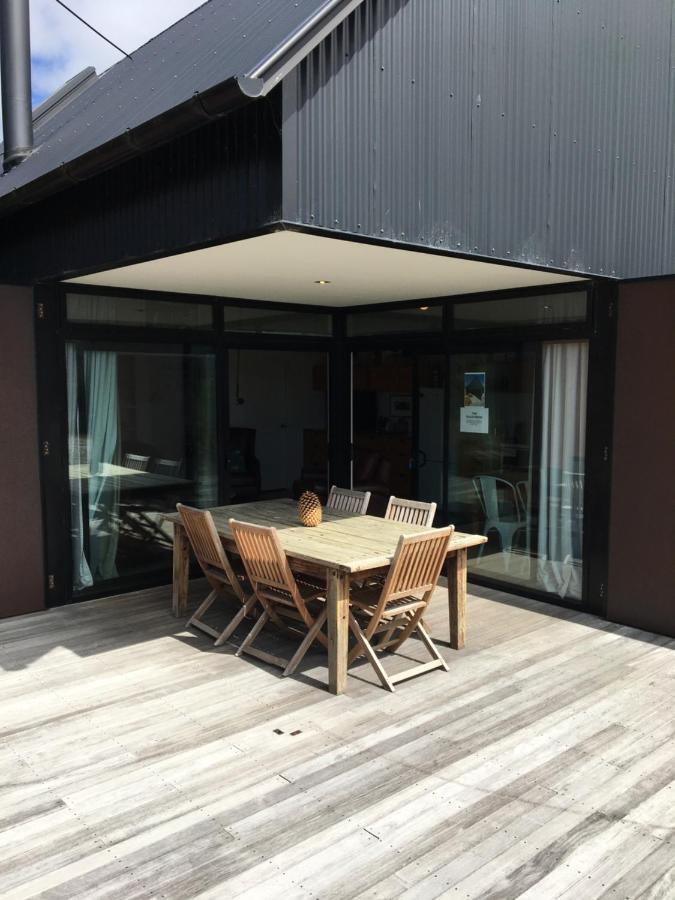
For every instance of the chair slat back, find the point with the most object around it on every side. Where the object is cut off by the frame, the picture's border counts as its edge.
(167, 466)
(263, 556)
(417, 564)
(203, 537)
(412, 512)
(136, 461)
(348, 501)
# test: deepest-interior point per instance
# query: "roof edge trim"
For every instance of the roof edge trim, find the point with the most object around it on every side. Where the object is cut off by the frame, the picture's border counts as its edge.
(251, 87)
(285, 57)
(214, 103)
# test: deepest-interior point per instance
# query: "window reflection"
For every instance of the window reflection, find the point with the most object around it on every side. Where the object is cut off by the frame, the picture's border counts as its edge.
(278, 424)
(141, 437)
(544, 309)
(520, 479)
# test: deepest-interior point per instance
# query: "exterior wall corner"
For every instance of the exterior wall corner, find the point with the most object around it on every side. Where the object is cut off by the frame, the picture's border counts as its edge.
(21, 541)
(642, 525)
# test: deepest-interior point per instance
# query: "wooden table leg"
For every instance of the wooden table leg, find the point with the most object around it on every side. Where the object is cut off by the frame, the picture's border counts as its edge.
(181, 570)
(457, 598)
(338, 630)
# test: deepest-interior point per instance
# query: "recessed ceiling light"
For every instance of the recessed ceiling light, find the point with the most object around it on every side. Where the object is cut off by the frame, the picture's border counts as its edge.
(322, 281)
(424, 308)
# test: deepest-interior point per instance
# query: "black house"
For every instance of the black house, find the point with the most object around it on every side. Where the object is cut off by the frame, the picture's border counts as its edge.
(421, 247)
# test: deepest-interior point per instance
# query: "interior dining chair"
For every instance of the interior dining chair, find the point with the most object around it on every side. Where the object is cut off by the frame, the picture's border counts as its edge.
(136, 461)
(523, 491)
(348, 501)
(170, 467)
(383, 618)
(413, 512)
(218, 571)
(500, 504)
(298, 607)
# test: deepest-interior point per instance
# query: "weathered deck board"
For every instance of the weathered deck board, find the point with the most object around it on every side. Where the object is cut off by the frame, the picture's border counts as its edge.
(139, 762)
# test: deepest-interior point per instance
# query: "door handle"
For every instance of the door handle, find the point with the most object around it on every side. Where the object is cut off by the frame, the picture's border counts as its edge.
(419, 462)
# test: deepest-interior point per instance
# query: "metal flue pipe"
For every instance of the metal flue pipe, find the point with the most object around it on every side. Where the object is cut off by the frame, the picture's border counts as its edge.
(17, 113)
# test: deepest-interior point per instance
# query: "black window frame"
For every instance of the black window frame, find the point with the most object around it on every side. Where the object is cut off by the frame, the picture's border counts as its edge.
(53, 330)
(599, 329)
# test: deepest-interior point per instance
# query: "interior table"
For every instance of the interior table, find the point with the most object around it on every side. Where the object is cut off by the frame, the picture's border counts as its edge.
(343, 548)
(126, 479)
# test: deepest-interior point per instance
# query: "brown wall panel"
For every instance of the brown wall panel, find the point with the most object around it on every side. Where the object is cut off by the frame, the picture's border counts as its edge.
(21, 562)
(642, 524)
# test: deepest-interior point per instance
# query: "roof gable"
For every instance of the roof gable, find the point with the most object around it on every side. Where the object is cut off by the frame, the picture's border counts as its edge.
(217, 57)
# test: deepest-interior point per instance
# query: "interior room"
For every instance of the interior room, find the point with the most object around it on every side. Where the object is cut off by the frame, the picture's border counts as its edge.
(278, 406)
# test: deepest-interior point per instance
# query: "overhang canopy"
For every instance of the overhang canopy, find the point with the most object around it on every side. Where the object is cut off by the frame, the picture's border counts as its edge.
(295, 267)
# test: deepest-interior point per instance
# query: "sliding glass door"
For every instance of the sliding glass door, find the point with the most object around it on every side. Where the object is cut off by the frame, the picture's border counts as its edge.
(397, 425)
(141, 436)
(499, 444)
(277, 435)
(478, 405)
(517, 431)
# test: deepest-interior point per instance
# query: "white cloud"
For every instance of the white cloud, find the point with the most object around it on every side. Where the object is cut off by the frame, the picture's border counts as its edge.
(61, 46)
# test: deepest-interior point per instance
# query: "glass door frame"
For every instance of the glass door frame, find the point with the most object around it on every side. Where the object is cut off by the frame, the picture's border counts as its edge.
(599, 329)
(500, 344)
(190, 348)
(283, 345)
(53, 331)
(416, 352)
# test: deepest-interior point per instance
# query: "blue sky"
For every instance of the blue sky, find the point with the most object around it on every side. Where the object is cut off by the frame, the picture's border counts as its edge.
(61, 46)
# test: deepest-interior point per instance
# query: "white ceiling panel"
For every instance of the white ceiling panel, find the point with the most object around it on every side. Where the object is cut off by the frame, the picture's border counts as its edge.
(290, 266)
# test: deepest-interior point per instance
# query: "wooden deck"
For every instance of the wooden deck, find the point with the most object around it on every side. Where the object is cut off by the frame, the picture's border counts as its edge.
(136, 761)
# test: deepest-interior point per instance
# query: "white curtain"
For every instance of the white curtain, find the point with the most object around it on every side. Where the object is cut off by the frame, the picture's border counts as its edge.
(203, 426)
(100, 378)
(561, 484)
(90, 456)
(77, 466)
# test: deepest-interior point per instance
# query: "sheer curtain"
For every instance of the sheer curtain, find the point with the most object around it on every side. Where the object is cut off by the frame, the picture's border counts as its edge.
(100, 378)
(202, 403)
(561, 484)
(91, 455)
(77, 466)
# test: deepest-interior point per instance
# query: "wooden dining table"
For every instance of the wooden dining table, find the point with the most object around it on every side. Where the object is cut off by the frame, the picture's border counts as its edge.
(343, 548)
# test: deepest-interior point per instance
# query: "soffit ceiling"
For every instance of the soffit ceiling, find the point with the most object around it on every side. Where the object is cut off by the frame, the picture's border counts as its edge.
(289, 266)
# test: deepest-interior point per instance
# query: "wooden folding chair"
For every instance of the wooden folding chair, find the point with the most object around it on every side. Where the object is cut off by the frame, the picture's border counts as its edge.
(413, 512)
(287, 602)
(217, 568)
(348, 501)
(383, 618)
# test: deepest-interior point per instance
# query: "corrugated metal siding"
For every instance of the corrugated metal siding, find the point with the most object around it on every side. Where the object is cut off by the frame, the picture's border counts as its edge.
(537, 131)
(220, 40)
(215, 183)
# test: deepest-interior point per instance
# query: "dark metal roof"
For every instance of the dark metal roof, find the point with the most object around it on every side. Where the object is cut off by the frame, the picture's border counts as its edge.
(217, 57)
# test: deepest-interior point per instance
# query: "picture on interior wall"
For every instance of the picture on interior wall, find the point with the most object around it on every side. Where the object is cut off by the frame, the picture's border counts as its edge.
(474, 389)
(473, 416)
(400, 405)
